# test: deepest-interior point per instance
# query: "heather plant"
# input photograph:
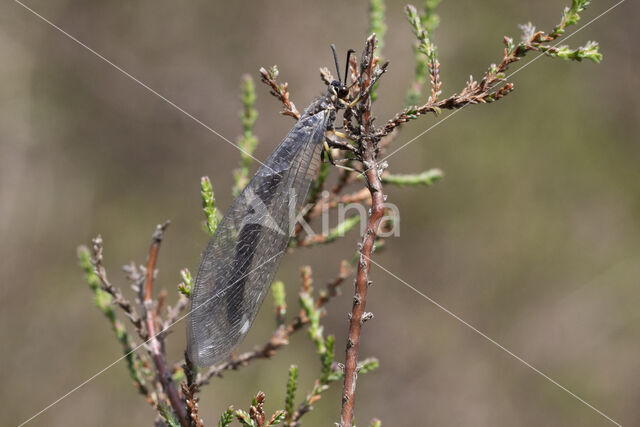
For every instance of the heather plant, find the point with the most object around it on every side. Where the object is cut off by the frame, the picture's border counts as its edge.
(171, 387)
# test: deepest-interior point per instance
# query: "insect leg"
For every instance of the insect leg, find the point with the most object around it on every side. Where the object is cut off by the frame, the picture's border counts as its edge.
(327, 151)
(351, 104)
(340, 134)
(354, 102)
(339, 144)
(330, 142)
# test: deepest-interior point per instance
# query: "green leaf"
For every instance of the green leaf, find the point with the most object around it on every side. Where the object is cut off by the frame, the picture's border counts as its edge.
(84, 260)
(178, 376)
(425, 51)
(279, 301)
(277, 418)
(315, 329)
(570, 16)
(279, 295)
(291, 389)
(168, 415)
(244, 418)
(327, 359)
(589, 51)
(226, 418)
(248, 141)
(508, 42)
(209, 205)
(343, 228)
(377, 25)
(429, 177)
(368, 365)
(186, 286)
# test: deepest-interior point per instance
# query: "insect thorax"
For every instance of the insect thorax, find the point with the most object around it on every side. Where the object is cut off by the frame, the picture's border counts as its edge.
(327, 103)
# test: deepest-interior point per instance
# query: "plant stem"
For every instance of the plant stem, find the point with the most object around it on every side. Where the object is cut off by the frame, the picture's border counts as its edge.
(369, 157)
(157, 354)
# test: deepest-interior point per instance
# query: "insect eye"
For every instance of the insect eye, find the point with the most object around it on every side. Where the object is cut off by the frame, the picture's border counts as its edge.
(343, 91)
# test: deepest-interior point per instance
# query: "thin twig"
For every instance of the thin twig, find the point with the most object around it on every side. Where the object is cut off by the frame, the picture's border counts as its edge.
(328, 201)
(115, 292)
(138, 365)
(485, 91)
(307, 404)
(192, 404)
(174, 312)
(326, 76)
(270, 77)
(360, 196)
(155, 345)
(333, 287)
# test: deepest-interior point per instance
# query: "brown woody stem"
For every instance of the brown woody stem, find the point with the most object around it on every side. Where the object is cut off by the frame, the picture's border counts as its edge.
(369, 158)
(362, 284)
(156, 350)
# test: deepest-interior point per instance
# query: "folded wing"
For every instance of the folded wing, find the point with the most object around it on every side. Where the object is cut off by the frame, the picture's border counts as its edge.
(243, 255)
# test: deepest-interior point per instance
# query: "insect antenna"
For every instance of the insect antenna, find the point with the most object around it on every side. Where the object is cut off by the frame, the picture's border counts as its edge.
(346, 67)
(335, 59)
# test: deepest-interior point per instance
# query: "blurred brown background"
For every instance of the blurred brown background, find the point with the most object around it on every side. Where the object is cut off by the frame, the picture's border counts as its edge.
(533, 236)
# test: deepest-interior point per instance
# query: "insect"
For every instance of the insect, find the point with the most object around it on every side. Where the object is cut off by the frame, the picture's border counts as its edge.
(243, 255)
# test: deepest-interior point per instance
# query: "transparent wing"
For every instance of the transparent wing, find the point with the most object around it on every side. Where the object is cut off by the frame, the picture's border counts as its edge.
(241, 259)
